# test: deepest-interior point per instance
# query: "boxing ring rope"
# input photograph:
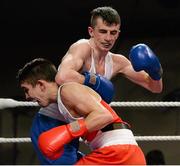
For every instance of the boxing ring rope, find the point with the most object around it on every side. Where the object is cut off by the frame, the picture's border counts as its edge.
(145, 104)
(11, 103)
(138, 138)
(6, 103)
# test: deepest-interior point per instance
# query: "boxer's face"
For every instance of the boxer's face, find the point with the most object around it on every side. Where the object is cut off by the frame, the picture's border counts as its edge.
(104, 35)
(35, 93)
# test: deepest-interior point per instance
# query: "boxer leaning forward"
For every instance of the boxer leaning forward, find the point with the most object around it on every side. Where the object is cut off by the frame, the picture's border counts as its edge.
(88, 116)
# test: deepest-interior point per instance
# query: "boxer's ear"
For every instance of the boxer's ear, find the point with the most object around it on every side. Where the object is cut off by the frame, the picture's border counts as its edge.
(91, 31)
(41, 84)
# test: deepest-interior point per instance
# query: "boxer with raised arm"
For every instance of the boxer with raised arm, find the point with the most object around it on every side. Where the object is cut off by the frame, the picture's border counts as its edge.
(90, 61)
(87, 115)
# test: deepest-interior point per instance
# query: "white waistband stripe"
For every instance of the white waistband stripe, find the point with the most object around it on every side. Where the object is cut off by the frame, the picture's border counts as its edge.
(114, 137)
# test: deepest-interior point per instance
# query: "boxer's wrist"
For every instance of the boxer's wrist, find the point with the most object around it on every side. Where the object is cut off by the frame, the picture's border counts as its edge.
(101, 85)
(77, 128)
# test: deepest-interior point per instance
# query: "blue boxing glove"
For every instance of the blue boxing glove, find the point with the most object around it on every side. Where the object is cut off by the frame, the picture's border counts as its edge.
(142, 58)
(100, 84)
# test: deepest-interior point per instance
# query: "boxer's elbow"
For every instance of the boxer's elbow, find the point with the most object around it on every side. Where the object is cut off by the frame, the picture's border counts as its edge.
(61, 77)
(157, 88)
(157, 91)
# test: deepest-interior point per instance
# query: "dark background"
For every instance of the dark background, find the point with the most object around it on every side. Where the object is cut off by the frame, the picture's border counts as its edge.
(32, 29)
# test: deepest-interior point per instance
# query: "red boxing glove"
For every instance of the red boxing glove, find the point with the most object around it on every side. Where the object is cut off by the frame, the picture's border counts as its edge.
(51, 142)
